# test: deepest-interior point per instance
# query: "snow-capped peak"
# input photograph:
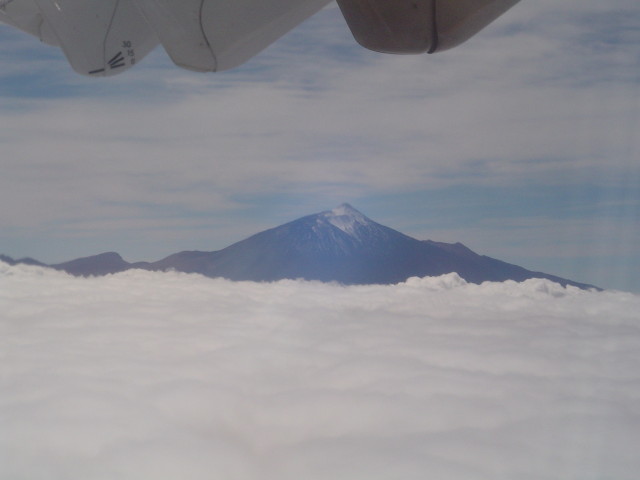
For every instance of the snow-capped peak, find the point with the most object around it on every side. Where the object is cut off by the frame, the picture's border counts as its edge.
(346, 218)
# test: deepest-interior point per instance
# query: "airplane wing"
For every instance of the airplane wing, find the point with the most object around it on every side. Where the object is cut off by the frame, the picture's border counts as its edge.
(106, 37)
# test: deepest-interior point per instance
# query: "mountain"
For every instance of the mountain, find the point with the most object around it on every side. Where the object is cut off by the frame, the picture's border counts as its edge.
(345, 246)
(102, 264)
(26, 261)
(340, 245)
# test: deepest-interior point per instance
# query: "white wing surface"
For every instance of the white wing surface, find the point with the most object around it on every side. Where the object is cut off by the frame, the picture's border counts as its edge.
(25, 15)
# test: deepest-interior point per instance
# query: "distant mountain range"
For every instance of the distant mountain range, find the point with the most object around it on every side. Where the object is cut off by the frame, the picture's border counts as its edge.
(340, 245)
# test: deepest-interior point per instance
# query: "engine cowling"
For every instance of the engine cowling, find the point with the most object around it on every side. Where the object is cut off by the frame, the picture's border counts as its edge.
(418, 26)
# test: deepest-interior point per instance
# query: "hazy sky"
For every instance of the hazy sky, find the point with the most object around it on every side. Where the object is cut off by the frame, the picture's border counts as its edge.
(521, 144)
(147, 375)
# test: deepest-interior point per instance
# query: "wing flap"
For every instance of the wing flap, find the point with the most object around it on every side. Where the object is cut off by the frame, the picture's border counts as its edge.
(240, 29)
(214, 35)
(177, 23)
(98, 38)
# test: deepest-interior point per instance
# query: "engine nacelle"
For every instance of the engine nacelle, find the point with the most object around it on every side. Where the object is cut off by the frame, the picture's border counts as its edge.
(418, 26)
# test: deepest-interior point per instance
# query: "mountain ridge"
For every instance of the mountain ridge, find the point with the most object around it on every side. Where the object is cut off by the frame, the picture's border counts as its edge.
(339, 245)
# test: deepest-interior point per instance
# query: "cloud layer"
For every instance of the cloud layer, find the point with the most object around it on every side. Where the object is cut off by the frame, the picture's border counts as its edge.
(166, 375)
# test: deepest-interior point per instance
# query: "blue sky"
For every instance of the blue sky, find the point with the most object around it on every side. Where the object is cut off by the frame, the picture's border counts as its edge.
(521, 144)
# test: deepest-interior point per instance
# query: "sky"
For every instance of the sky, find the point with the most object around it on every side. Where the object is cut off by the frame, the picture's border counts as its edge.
(167, 375)
(522, 144)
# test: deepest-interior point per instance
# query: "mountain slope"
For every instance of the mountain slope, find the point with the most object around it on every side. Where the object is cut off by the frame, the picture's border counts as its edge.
(25, 261)
(102, 264)
(345, 246)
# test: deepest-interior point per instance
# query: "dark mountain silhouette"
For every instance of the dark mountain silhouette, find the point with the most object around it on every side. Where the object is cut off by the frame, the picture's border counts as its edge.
(339, 245)
(102, 264)
(25, 260)
(345, 246)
